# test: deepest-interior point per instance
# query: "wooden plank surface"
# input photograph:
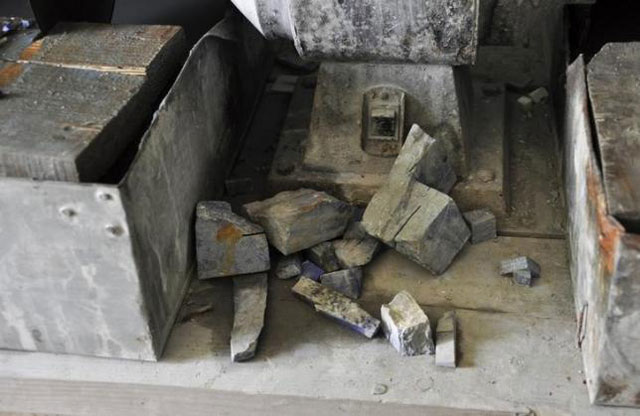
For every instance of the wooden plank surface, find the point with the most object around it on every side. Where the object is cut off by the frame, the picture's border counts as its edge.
(76, 100)
(614, 89)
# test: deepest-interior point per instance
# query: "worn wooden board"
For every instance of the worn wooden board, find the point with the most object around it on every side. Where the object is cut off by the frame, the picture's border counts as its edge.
(605, 264)
(614, 90)
(76, 100)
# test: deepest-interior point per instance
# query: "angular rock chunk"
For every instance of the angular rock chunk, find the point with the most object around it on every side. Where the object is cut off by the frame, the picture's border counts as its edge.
(420, 222)
(337, 307)
(297, 220)
(227, 244)
(250, 303)
(311, 271)
(483, 225)
(406, 326)
(523, 277)
(446, 340)
(509, 267)
(348, 282)
(426, 160)
(539, 95)
(288, 267)
(357, 248)
(324, 255)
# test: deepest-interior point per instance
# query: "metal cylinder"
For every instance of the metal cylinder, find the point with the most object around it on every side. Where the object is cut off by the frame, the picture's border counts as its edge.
(424, 31)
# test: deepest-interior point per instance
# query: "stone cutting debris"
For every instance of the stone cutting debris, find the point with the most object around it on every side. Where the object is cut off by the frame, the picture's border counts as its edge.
(324, 255)
(523, 269)
(348, 282)
(250, 303)
(406, 326)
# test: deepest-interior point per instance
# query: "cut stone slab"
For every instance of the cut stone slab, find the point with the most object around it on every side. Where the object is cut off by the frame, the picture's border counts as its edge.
(250, 304)
(227, 244)
(509, 267)
(483, 225)
(297, 220)
(406, 326)
(523, 277)
(336, 306)
(288, 267)
(348, 282)
(421, 223)
(324, 255)
(426, 160)
(311, 270)
(446, 341)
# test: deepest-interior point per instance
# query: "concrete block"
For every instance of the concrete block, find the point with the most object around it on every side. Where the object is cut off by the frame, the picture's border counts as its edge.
(446, 340)
(420, 222)
(482, 223)
(337, 307)
(406, 326)
(523, 277)
(509, 267)
(288, 267)
(227, 244)
(324, 255)
(297, 220)
(425, 159)
(250, 304)
(311, 270)
(348, 282)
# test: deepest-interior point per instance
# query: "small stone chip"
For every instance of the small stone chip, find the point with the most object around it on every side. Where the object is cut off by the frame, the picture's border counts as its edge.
(539, 95)
(446, 340)
(482, 223)
(324, 255)
(526, 104)
(523, 277)
(509, 267)
(311, 271)
(348, 282)
(249, 303)
(288, 267)
(406, 326)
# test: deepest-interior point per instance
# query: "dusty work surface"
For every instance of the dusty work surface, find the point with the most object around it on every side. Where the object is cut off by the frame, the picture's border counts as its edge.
(517, 352)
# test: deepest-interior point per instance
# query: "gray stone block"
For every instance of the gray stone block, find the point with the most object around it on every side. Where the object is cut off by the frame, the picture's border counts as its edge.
(288, 267)
(446, 340)
(425, 159)
(523, 277)
(297, 220)
(227, 244)
(509, 267)
(337, 307)
(348, 282)
(482, 223)
(324, 255)
(311, 270)
(406, 326)
(420, 222)
(250, 303)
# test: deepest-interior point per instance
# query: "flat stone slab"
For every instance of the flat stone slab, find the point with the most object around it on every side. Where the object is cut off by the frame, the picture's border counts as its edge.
(336, 306)
(288, 267)
(483, 225)
(446, 340)
(406, 326)
(297, 220)
(250, 303)
(227, 244)
(348, 282)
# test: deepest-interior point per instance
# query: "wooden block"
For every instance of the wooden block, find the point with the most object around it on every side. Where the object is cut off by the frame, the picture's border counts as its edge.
(615, 98)
(75, 100)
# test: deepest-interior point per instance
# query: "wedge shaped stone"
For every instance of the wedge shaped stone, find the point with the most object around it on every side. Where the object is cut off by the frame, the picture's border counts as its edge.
(406, 326)
(227, 244)
(250, 303)
(297, 220)
(446, 340)
(337, 307)
(311, 270)
(348, 282)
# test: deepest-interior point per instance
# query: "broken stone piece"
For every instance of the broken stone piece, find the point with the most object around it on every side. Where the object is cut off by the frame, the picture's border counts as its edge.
(336, 306)
(482, 223)
(509, 267)
(288, 267)
(406, 326)
(297, 220)
(356, 253)
(425, 159)
(311, 270)
(539, 95)
(324, 255)
(249, 303)
(446, 340)
(348, 282)
(526, 104)
(227, 244)
(523, 277)
(421, 223)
